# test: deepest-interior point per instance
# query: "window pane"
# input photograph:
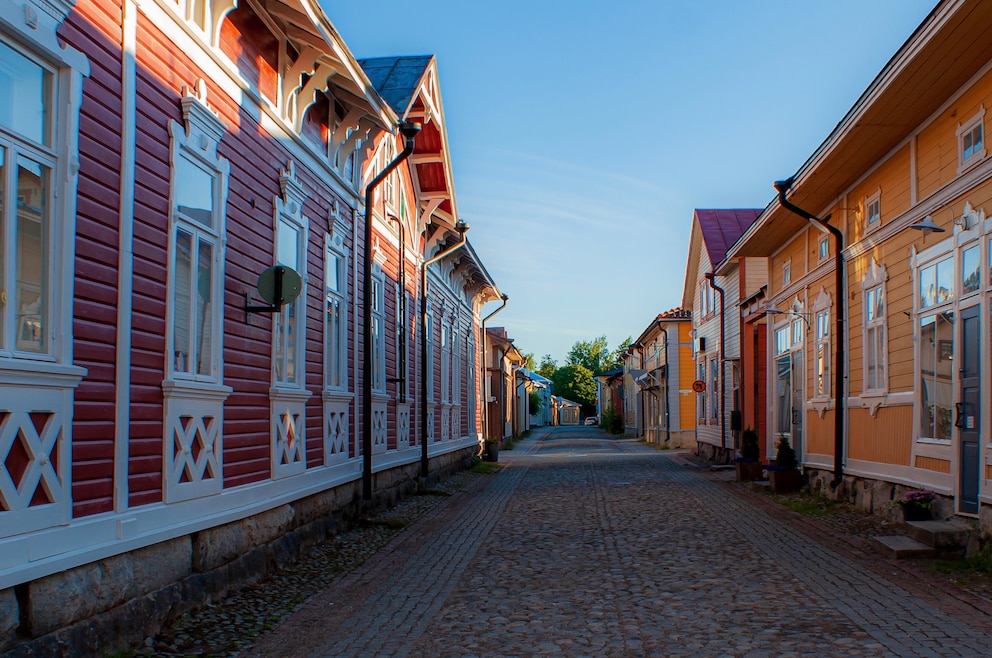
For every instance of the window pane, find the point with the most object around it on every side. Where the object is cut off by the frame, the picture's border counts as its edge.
(194, 192)
(970, 270)
(31, 257)
(332, 274)
(204, 283)
(290, 312)
(928, 292)
(182, 313)
(25, 90)
(781, 341)
(783, 394)
(3, 232)
(945, 280)
(288, 245)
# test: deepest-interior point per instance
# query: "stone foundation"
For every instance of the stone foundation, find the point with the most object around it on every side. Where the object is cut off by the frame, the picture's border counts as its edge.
(114, 604)
(878, 497)
(715, 454)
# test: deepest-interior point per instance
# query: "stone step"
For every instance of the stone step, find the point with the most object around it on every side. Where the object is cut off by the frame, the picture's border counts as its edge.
(947, 537)
(900, 547)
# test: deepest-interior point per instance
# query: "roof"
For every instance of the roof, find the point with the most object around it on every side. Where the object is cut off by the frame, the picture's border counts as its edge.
(396, 78)
(721, 229)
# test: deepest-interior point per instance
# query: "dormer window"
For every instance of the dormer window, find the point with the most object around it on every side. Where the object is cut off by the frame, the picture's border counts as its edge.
(873, 210)
(971, 141)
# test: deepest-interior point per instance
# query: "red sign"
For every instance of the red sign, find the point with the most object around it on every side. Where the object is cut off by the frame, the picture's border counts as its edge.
(699, 386)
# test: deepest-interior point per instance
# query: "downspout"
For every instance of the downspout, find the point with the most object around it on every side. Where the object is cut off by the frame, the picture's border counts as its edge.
(409, 129)
(839, 405)
(668, 369)
(485, 366)
(462, 227)
(723, 351)
(400, 378)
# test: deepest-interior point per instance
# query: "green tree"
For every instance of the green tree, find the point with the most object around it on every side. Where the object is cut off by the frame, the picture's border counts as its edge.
(529, 361)
(590, 354)
(614, 361)
(547, 367)
(575, 382)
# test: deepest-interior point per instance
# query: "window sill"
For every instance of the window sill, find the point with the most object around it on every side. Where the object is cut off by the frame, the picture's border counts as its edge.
(972, 162)
(874, 399)
(190, 389)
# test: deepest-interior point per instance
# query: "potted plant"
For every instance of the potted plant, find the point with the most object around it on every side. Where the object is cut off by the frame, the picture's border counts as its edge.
(490, 452)
(784, 473)
(917, 505)
(749, 467)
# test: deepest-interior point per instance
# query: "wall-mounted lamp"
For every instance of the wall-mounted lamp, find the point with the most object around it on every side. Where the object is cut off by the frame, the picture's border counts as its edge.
(773, 310)
(927, 226)
(969, 217)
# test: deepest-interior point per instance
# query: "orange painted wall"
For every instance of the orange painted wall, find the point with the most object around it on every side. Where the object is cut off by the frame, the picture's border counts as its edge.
(886, 439)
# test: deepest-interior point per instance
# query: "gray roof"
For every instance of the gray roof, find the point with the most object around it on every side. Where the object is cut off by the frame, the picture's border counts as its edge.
(396, 78)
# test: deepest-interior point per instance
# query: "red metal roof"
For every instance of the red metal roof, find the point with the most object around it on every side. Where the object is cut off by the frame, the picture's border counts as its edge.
(722, 228)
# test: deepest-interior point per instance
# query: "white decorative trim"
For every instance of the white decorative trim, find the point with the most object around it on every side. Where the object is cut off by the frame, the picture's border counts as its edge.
(380, 427)
(336, 429)
(193, 445)
(289, 208)
(402, 425)
(288, 436)
(966, 128)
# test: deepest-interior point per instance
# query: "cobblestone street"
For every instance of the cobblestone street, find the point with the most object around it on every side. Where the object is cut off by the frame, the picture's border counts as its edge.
(587, 545)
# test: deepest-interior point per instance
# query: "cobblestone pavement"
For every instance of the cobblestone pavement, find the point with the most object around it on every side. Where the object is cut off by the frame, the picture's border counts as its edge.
(587, 545)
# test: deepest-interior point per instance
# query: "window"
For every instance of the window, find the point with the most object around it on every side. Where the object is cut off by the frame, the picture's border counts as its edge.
(27, 161)
(403, 344)
(389, 184)
(936, 283)
(786, 273)
(378, 330)
(873, 210)
(195, 269)
(936, 375)
(971, 270)
(821, 383)
(714, 389)
(445, 363)
(40, 95)
(874, 338)
(291, 249)
(429, 370)
(456, 364)
(701, 397)
(971, 141)
(335, 320)
(823, 248)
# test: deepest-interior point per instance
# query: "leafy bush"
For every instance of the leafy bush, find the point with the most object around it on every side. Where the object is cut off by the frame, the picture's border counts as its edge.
(785, 458)
(611, 421)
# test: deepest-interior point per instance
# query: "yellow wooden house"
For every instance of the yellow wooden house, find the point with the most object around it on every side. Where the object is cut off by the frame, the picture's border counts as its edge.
(879, 291)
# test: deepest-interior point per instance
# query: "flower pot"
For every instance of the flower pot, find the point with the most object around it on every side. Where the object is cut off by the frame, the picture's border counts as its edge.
(747, 471)
(491, 452)
(911, 512)
(785, 481)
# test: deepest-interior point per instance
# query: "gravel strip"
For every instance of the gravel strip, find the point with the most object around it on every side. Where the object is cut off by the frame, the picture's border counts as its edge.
(225, 629)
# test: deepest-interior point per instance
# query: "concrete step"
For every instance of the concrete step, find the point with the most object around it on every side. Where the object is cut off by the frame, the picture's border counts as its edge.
(901, 547)
(949, 538)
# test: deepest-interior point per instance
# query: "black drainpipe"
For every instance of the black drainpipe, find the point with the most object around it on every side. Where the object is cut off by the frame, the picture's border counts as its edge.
(711, 277)
(462, 227)
(668, 368)
(409, 129)
(839, 405)
(485, 368)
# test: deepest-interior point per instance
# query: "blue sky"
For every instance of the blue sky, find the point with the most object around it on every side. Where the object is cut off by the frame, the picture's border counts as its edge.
(583, 134)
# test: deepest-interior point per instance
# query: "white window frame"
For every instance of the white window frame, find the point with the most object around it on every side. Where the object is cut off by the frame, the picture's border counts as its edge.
(32, 383)
(823, 248)
(786, 272)
(823, 327)
(701, 366)
(873, 210)
(713, 377)
(446, 338)
(288, 210)
(429, 369)
(874, 332)
(194, 404)
(968, 155)
(378, 316)
(336, 370)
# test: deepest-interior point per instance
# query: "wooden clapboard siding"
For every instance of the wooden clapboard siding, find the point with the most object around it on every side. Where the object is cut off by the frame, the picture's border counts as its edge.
(820, 432)
(95, 29)
(793, 253)
(891, 180)
(885, 438)
(686, 375)
(933, 464)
